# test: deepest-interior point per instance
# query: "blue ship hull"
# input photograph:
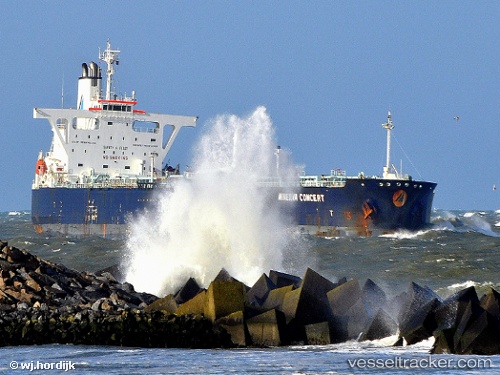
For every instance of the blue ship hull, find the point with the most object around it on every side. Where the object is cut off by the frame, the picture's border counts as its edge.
(361, 207)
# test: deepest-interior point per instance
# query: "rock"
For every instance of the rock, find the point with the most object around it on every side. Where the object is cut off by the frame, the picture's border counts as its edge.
(452, 308)
(188, 291)
(416, 317)
(349, 314)
(313, 306)
(167, 304)
(482, 336)
(235, 325)
(307, 304)
(30, 282)
(224, 298)
(268, 329)
(374, 297)
(465, 327)
(260, 290)
(14, 255)
(343, 297)
(381, 326)
(419, 324)
(42, 303)
(416, 297)
(491, 302)
(276, 297)
(318, 333)
(194, 306)
(114, 271)
(290, 303)
(281, 279)
(223, 275)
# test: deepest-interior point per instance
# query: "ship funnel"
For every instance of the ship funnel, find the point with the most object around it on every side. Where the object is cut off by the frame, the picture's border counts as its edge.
(94, 69)
(85, 70)
(89, 86)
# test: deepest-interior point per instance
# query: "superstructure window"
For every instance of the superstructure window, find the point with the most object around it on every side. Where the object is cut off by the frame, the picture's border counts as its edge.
(145, 126)
(127, 167)
(85, 123)
(105, 166)
(110, 122)
(80, 164)
(62, 123)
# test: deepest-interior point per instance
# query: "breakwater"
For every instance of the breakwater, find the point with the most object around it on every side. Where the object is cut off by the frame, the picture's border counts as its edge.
(44, 302)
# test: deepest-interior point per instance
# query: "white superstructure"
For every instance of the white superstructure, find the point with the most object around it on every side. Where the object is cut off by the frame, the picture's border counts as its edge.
(106, 139)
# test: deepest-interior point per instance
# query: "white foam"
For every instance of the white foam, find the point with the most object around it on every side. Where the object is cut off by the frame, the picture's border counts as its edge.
(405, 234)
(445, 260)
(220, 218)
(467, 284)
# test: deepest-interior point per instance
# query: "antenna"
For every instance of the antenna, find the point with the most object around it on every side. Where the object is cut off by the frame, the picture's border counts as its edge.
(110, 57)
(62, 92)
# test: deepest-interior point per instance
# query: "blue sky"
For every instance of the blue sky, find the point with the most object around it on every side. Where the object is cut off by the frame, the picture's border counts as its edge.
(327, 72)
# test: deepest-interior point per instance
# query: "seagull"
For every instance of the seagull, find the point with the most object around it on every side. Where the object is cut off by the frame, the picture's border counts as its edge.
(456, 118)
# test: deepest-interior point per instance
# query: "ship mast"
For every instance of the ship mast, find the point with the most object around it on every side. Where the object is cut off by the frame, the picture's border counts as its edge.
(388, 126)
(110, 57)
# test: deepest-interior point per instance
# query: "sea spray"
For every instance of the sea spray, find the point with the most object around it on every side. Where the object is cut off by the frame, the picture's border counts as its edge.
(222, 217)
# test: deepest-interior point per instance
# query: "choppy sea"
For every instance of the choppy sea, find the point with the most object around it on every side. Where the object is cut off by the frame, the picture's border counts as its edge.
(460, 249)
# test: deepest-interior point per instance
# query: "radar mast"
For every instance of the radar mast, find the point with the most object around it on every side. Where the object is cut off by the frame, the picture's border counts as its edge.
(110, 57)
(389, 126)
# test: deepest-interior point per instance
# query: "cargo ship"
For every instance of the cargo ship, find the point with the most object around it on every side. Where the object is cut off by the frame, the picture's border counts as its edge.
(106, 161)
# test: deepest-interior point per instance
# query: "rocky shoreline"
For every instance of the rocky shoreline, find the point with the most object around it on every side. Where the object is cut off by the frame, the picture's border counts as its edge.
(43, 302)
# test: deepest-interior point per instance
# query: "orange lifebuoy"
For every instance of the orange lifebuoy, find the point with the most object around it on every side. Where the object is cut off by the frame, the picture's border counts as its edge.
(41, 167)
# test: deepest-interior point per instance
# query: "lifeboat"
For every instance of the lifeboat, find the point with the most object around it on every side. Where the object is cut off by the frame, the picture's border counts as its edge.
(41, 167)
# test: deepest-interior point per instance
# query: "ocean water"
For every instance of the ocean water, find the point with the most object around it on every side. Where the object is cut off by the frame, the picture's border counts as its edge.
(459, 249)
